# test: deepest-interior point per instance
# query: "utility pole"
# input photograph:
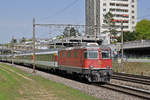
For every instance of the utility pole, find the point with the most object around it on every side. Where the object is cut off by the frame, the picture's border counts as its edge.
(33, 56)
(12, 51)
(95, 31)
(122, 53)
(98, 17)
(95, 21)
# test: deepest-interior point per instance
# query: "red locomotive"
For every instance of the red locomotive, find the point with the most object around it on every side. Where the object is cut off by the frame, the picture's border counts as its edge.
(92, 63)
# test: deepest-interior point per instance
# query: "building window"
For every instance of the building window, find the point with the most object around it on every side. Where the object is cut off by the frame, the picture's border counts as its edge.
(122, 5)
(104, 9)
(125, 27)
(133, 17)
(104, 4)
(112, 9)
(112, 4)
(132, 0)
(132, 11)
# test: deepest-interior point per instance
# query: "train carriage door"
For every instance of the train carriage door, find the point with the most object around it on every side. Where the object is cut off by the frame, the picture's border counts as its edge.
(106, 58)
(55, 59)
(82, 56)
(58, 59)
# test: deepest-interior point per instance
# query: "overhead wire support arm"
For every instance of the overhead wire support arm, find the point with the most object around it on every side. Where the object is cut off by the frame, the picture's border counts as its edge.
(68, 25)
(60, 25)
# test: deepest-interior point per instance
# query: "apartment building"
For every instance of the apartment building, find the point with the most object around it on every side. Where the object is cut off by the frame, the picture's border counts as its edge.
(122, 10)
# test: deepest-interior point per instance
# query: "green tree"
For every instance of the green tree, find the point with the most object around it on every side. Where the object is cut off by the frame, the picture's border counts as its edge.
(66, 32)
(110, 23)
(23, 40)
(70, 32)
(128, 36)
(74, 32)
(59, 37)
(143, 29)
(14, 40)
(108, 19)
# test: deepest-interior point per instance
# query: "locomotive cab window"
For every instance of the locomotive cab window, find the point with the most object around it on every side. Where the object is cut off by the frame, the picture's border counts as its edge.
(91, 54)
(105, 54)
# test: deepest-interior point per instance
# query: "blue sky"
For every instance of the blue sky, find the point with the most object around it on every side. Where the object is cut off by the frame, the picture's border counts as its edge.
(16, 15)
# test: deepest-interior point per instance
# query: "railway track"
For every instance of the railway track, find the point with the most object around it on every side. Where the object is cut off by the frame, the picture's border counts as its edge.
(143, 94)
(145, 80)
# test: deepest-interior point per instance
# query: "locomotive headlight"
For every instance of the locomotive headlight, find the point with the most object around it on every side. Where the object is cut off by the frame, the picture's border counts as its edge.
(91, 67)
(108, 67)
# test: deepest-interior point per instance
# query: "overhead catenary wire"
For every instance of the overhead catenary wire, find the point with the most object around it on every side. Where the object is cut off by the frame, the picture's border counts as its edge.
(73, 3)
(145, 16)
(77, 26)
(62, 10)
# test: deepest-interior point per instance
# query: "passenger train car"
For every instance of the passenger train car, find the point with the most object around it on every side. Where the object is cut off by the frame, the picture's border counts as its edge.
(92, 63)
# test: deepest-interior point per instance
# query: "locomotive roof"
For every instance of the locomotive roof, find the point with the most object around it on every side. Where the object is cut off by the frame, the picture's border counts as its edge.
(85, 47)
(50, 51)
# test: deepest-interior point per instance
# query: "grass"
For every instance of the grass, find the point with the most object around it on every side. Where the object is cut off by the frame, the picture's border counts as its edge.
(132, 68)
(16, 84)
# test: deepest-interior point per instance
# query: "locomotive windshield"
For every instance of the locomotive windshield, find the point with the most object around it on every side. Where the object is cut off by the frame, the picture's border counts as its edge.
(91, 54)
(105, 54)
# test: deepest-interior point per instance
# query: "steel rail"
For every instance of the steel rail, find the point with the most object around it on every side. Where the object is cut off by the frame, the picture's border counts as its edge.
(132, 79)
(132, 75)
(140, 93)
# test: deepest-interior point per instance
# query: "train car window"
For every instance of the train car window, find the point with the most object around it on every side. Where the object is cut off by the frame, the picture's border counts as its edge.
(51, 57)
(105, 54)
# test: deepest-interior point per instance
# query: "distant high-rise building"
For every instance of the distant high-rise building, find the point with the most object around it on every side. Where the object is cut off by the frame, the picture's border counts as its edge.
(122, 10)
